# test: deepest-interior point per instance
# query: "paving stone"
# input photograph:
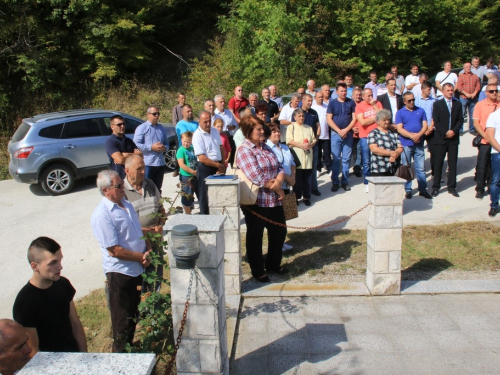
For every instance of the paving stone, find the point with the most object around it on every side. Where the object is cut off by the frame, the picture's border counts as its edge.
(371, 342)
(389, 309)
(287, 363)
(250, 364)
(321, 310)
(324, 343)
(398, 323)
(363, 324)
(384, 363)
(252, 324)
(452, 340)
(488, 338)
(357, 309)
(411, 340)
(470, 322)
(249, 343)
(441, 322)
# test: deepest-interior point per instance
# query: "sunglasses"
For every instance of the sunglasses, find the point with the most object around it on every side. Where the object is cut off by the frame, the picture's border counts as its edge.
(120, 124)
(410, 100)
(155, 113)
(117, 186)
(492, 91)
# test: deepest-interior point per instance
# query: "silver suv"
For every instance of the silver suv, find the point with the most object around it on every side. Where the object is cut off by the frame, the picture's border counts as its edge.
(54, 149)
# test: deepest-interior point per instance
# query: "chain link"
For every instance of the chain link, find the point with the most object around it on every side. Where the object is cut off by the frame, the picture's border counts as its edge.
(168, 370)
(296, 227)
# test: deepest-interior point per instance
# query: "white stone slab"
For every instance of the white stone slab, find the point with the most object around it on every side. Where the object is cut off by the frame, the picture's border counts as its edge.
(450, 286)
(304, 290)
(48, 363)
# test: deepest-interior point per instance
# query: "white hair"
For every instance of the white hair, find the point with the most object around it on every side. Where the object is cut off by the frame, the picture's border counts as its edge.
(105, 179)
(310, 82)
(129, 160)
(254, 94)
(217, 97)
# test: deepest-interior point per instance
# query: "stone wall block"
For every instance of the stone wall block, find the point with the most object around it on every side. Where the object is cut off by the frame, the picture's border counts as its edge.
(385, 195)
(180, 278)
(188, 356)
(223, 196)
(208, 285)
(378, 261)
(210, 356)
(204, 322)
(387, 239)
(209, 256)
(233, 216)
(233, 284)
(381, 216)
(232, 243)
(178, 310)
(395, 261)
(383, 284)
(232, 263)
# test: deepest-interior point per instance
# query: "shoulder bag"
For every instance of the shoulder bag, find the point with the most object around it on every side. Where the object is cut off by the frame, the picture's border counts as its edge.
(405, 171)
(290, 206)
(248, 190)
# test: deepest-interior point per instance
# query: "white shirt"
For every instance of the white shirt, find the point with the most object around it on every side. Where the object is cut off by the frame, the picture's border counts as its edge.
(452, 78)
(207, 144)
(411, 79)
(325, 129)
(228, 118)
(494, 122)
(394, 106)
(287, 113)
(417, 91)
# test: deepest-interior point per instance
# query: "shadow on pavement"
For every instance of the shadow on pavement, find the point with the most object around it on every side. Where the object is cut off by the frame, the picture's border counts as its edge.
(425, 269)
(82, 184)
(313, 343)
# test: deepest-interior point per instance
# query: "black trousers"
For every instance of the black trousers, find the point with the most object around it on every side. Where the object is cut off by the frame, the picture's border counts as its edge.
(124, 298)
(303, 181)
(440, 152)
(255, 231)
(483, 167)
(325, 154)
(202, 172)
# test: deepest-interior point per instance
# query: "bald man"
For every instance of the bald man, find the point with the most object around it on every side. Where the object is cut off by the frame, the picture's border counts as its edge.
(14, 349)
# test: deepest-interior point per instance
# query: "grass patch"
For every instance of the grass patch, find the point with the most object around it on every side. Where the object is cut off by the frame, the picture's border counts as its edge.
(320, 256)
(4, 159)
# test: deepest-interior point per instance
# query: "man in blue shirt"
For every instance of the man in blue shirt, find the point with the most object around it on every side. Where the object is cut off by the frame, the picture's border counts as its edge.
(116, 227)
(341, 118)
(118, 146)
(151, 138)
(373, 84)
(187, 124)
(425, 100)
(411, 123)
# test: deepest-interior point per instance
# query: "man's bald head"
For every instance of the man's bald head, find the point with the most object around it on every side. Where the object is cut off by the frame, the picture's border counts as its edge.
(14, 349)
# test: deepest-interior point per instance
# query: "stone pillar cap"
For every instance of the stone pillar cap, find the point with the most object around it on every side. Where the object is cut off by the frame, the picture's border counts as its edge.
(386, 180)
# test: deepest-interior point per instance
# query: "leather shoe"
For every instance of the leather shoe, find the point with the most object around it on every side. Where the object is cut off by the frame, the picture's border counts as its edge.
(281, 271)
(307, 202)
(408, 195)
(493, 212)
(425, 194)
(263, 279)
(316, 192)
(435, 193)
(453, 192)
(346, 187)
(334, 188)
(480, 194)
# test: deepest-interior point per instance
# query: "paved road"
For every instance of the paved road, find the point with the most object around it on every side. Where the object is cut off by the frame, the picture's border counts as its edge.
(28, 212)
(419, 334)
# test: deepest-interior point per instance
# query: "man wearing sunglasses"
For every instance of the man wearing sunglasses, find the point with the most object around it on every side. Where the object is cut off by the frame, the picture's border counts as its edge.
(481, 113)
(118, 146)
(125, 254)
(151, 138)
(411, 122)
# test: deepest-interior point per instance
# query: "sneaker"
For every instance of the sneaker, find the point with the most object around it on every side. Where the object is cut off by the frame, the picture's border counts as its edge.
(493, 212)
(366, 188)
(287, 247)
(408, 195)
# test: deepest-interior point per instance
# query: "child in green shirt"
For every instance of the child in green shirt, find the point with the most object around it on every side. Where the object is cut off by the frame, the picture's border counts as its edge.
(187, 173)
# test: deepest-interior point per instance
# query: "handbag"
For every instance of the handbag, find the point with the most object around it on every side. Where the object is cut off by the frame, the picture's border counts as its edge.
(476, 142)
(405, 171)
(290, 206)
(248, 190)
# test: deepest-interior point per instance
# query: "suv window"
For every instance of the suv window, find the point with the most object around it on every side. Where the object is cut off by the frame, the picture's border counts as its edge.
(83, 128)
(21, 132)
(53, 131)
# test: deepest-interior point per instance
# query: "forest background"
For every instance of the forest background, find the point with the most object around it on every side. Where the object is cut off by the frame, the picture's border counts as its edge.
(125, 55)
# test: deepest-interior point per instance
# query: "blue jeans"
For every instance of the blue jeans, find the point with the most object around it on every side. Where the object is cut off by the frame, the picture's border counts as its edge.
(468, 104)
(155, 174)
(314, 178)
(341, 152)
(416, 153)
(495, 180)
(365, 153)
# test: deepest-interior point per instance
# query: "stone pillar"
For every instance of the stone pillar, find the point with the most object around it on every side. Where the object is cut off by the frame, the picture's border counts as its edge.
(225, 195)
(204, 342)
(384, 235)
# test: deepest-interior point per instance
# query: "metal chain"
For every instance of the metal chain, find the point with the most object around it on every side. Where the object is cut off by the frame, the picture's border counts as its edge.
(168, 370)
(296, 227)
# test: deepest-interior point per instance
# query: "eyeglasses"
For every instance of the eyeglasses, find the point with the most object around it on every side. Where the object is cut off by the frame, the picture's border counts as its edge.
(410, 100)
(119, 124)
(492, 91)
(117, 186)
(155, 113)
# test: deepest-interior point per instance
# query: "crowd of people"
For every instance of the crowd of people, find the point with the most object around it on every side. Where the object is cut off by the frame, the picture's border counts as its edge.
(281, 148)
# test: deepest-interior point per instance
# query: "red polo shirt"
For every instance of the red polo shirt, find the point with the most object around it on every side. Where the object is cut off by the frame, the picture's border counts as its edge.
(236, 104)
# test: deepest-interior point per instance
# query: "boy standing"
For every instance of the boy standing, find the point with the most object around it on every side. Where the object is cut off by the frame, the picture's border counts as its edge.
(45, 307)
(187, 164)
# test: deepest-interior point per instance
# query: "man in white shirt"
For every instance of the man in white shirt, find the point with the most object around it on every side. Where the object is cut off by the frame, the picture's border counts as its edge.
(417, 90)
(207, 145)
(286, 114)
(412, 79)
(400, 80)
(324, 136)
(446, 76)
(493, 138)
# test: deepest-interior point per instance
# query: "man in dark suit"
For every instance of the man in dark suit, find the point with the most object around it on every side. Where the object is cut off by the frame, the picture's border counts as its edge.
(391, 101)
(448, 120)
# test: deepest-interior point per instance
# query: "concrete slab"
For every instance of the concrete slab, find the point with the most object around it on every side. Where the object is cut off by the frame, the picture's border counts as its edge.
(450, 286)
(309, 290)
(232, 309)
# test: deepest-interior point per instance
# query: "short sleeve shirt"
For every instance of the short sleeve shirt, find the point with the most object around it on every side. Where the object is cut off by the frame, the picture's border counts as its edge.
(368, 112)
(47, 310)
(147, 204)
(387, 141)
(207, 144)
(412, 121)
(494, 122)
(117, 144)
(341, 111)
(189, 157)
(236, 104)
(443, 78)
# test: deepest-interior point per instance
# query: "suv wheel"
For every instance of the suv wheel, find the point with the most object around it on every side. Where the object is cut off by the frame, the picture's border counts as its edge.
(57, 180)
(171, 159)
